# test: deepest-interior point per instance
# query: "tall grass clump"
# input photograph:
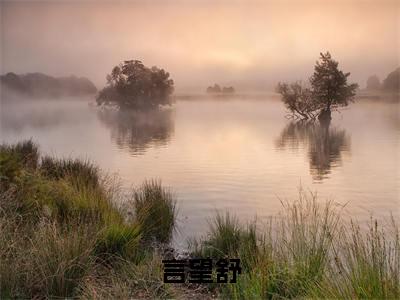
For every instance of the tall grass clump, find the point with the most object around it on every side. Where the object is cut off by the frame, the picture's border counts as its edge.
(14, 158)
(62, 232)
(27, 152)
(119, 240)
(129, 280)
(57, 261)
(366, 263)
(155, 210)
(83, 171)
(228, 238)
(64, 199)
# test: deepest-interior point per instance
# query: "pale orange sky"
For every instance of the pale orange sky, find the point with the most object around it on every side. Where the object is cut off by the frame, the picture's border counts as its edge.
(252, 44)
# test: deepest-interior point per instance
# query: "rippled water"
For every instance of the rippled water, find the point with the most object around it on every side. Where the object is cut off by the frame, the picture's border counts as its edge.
(236, 155)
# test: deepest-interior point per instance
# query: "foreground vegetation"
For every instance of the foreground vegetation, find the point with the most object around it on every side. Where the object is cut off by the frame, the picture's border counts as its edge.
(63, 235)
(307, 252)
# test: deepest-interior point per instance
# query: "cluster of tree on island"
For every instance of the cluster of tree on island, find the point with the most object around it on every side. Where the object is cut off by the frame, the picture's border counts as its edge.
(40, 85)
(132, 85)
(390, 84)
(216, 89)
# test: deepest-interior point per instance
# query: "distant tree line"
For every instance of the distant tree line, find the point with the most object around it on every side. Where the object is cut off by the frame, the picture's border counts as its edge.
(41, 85)
(132, 85)
(327, 90)
(390, 84)
(216, 89)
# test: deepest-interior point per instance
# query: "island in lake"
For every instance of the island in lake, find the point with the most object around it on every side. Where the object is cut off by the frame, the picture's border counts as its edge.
(39, 85)
(216, 89)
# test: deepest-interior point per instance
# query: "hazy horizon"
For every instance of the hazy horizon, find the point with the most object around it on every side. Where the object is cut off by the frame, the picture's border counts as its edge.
(251, 45)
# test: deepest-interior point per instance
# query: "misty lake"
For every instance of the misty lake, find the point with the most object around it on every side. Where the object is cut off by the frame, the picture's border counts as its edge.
(238, 155)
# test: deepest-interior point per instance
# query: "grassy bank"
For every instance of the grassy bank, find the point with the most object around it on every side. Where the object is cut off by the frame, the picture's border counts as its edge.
(62, 235)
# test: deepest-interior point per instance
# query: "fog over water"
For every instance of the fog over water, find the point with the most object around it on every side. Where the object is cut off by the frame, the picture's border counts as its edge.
(249, 44)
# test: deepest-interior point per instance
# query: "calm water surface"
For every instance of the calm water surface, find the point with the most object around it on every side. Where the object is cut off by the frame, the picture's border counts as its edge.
(241, 156)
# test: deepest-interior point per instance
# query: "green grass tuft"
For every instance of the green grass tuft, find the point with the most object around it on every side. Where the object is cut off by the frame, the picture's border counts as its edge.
(77, 171)
(119, 240)
(228, 238)
(14, 159)
(155, 210)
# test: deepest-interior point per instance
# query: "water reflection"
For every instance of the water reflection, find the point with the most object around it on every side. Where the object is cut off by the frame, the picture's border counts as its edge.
(138, 131)
(325, 145)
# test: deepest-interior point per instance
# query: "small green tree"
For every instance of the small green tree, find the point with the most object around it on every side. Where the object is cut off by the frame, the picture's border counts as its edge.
(328, 90)
(329, 85)
(133, 85)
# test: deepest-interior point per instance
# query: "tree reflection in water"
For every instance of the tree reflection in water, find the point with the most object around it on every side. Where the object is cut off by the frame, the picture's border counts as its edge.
(138, 131)
(325, 145)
